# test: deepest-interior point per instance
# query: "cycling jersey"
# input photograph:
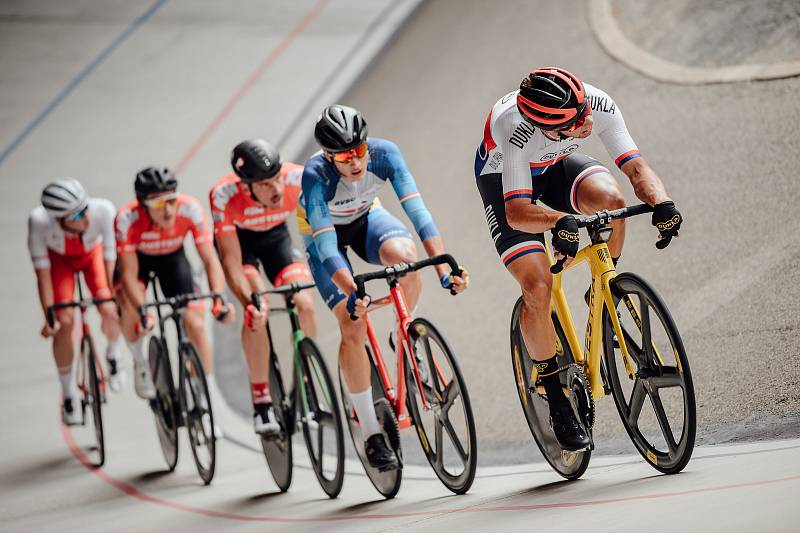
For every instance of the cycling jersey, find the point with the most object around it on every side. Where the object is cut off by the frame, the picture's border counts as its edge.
(328, 201)
(232, 206)
(64, 253)
(137, 233)
(46, 234)
(519, 151)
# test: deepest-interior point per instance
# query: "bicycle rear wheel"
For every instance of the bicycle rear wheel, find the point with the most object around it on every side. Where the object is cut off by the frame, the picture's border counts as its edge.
(93, 398)
(386, 483)
(165, 404)
(322, 429)
(656, 400)
(278, 449)
(198, 415)
(455, 458)
(570, 465)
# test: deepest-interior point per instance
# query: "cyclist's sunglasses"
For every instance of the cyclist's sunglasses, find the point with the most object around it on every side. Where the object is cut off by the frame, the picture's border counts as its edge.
(161, 201)
(346, 157)
(587, 110)
(78, 215)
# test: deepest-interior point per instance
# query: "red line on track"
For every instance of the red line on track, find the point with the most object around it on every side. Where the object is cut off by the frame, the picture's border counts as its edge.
(257, 73)
(134, 492)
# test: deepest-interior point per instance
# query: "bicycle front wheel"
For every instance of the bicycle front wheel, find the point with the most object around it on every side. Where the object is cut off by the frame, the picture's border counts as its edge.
(198, 414)
(93, 398)
(655, 396)
(278, 449)
(164, 405)
(321, 419)
(445, 425)
(570, 465)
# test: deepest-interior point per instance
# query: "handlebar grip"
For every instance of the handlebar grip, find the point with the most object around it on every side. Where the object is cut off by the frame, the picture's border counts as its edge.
(558, 266)
(360, 291)
(51, 316)
(663, 242)
(255, 299)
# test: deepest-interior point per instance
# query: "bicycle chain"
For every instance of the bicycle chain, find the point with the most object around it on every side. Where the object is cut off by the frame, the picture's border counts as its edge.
(591, 420)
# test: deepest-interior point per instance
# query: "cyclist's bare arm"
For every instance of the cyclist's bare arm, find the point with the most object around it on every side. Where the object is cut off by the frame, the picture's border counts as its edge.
(216, 278)
(129, 279)
(647, 186)
(231, 255)
(110, 273)
(522, 215)
(343, 279)
(45, 285)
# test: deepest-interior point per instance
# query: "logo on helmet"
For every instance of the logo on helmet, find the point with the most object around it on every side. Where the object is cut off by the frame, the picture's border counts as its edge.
(239, 163)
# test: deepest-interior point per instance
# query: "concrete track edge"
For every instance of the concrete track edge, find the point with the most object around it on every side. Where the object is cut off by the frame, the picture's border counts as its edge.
(614, 42)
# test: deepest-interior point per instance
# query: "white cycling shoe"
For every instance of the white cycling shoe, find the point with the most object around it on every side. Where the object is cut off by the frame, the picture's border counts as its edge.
(117, 377)
(69, 415)
(143, 381)
(264, 421)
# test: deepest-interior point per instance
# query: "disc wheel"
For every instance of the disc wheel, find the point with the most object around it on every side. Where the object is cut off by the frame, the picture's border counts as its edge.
(165, 405)
(445, 424)
(386, 483)
(570, 465)
(322, 428)
(655, 400)
(198, 415)
(94, 399)
(278, 449)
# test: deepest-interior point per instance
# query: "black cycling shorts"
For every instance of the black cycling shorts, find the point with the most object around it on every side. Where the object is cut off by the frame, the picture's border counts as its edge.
(274, 251)
(557, 188)
(175, 274)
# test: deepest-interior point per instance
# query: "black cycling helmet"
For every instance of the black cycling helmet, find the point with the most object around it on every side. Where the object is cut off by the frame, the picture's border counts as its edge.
(255, 160)
(340, 128)
(153, 180)
(551, 98)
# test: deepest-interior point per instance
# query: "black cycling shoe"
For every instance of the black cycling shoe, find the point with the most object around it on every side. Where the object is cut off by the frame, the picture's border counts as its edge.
(569, 433)
(379, 455)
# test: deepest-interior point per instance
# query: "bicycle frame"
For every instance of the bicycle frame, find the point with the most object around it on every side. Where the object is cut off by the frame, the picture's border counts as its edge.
(397, 398)
(602, 271)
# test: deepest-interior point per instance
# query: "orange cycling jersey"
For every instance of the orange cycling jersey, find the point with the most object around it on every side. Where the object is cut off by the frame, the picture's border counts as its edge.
(137, 233)
(232, 206)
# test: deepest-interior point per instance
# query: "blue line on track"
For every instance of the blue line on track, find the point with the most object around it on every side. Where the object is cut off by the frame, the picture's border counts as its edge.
(80, 78)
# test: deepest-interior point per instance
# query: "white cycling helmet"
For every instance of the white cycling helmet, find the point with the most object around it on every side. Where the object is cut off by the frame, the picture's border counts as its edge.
(64, 197)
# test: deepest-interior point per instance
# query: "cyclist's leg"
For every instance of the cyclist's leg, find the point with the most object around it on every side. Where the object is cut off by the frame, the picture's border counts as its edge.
(63, 278)
(589, 187)
(94, 272)
(389, 242)
(284, 264)
(255, 343)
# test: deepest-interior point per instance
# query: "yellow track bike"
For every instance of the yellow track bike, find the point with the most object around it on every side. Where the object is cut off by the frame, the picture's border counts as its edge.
(632, 350)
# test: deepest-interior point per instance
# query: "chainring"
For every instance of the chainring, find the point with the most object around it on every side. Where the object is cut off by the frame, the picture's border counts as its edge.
(580, 395)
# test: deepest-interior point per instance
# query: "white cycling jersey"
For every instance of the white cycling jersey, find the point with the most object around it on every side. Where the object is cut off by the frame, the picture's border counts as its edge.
(519, 151)
(45, 233)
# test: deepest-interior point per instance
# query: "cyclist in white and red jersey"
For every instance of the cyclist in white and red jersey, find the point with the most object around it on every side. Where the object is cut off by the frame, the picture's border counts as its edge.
(250, 206)
(70, 233)
(150, 233)
(529, 153)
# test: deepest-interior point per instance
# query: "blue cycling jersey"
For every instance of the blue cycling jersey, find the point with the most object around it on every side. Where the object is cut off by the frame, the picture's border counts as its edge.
(328, 200)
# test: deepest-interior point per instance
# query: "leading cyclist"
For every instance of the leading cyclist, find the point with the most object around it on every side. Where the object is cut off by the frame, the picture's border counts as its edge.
(150, 233)
(340, 187)
(68, 233)
(529, 153)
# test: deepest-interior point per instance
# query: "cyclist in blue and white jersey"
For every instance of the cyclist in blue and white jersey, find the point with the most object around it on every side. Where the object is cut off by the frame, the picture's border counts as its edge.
(338, 209)
(529, 152)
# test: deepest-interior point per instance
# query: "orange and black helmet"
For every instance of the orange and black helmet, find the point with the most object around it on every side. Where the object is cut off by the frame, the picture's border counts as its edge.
(550, 98)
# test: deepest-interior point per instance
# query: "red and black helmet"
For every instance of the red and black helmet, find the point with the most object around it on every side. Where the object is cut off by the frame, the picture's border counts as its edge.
(550, 98)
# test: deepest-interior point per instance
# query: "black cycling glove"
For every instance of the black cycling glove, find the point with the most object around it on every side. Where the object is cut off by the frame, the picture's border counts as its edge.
(667, 219)
(565, 236)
